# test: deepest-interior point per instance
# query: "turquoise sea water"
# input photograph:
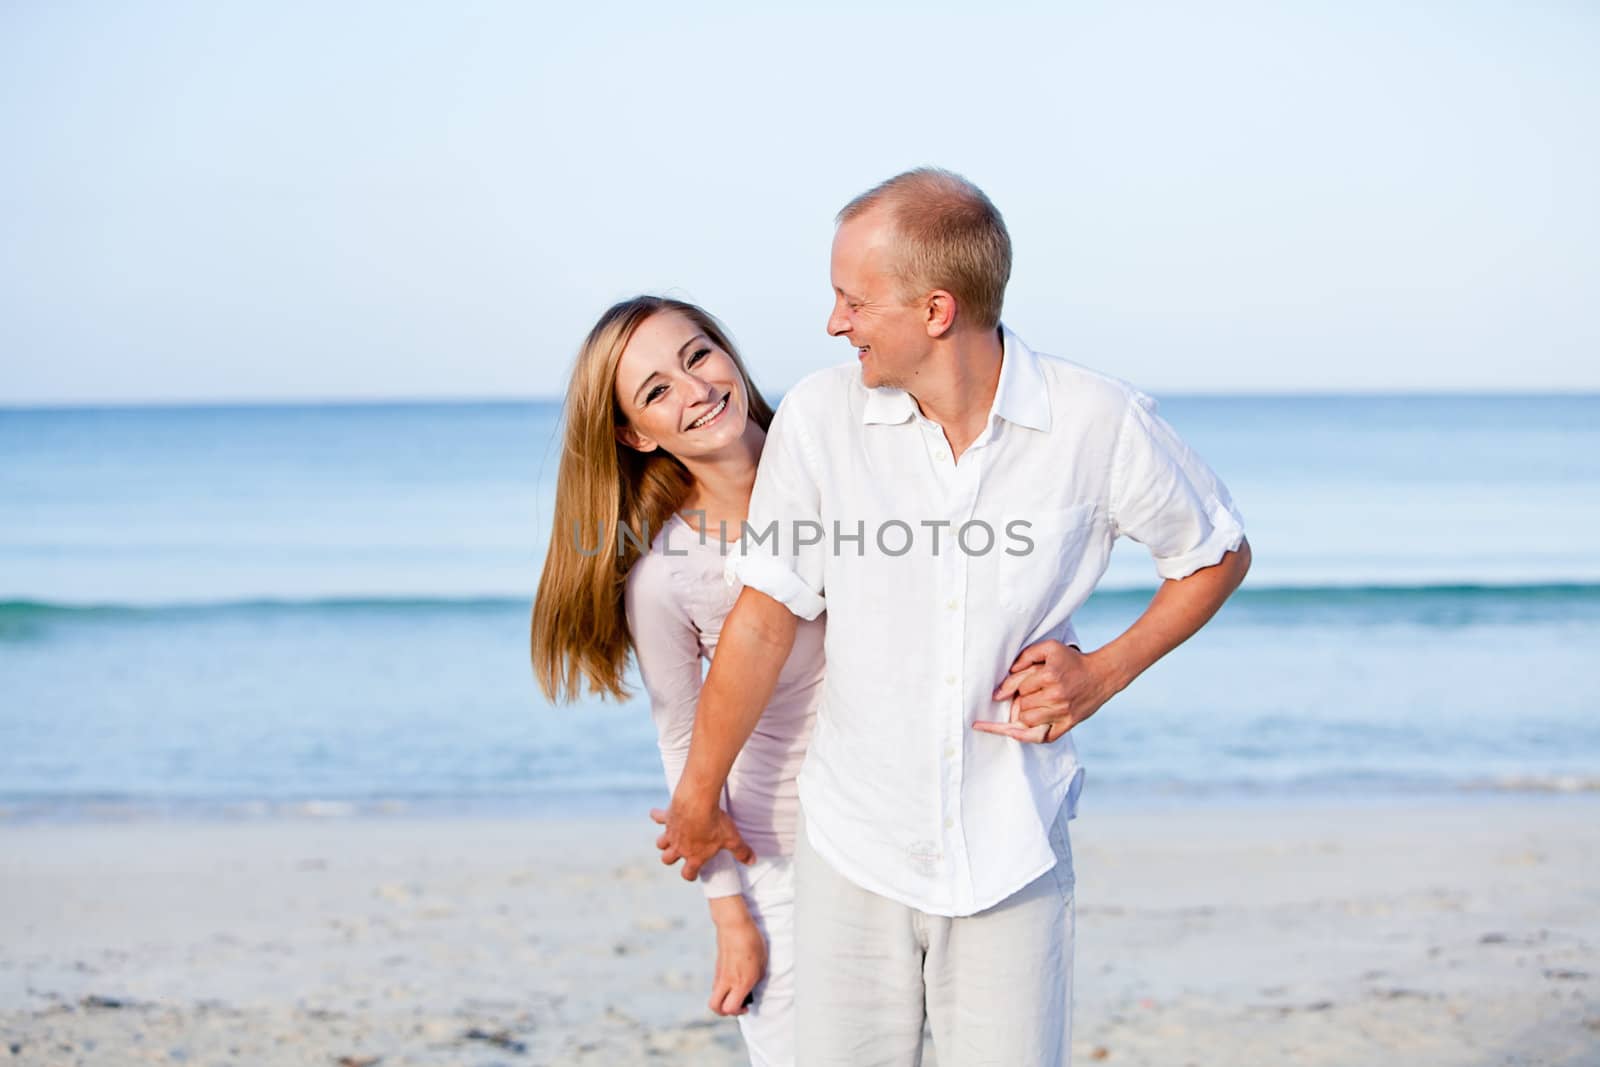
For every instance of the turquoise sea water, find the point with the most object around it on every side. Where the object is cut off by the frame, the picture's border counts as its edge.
(252, 609)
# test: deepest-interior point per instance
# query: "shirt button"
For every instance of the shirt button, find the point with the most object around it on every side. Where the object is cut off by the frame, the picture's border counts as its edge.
(949, 679)
(952, 604)
(949, 824)
(949, 752)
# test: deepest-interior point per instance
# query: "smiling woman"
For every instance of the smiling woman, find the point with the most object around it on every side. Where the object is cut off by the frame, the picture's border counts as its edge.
(674, 385)
(662, 420)
(615, 473)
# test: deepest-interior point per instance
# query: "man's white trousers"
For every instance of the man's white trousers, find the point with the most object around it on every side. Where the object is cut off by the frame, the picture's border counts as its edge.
(995, 987)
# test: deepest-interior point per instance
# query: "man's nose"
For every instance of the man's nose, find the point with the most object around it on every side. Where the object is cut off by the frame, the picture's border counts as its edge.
(838, 322)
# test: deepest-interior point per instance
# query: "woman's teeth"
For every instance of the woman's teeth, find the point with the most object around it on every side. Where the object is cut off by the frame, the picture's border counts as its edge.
(708, 416)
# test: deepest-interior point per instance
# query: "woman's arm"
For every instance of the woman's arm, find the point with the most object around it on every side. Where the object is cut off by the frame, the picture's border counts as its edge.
(667, 648)
(741, 956)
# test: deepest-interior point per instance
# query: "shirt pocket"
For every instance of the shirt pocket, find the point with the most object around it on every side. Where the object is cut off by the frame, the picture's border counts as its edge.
(1038, 554)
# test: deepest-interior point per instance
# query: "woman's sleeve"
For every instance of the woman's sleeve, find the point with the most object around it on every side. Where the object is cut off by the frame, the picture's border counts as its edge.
(668, 651)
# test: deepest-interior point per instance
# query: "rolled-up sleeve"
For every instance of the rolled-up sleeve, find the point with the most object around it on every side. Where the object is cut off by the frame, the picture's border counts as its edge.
(783, 550)
(668, 653)
(1165, 496)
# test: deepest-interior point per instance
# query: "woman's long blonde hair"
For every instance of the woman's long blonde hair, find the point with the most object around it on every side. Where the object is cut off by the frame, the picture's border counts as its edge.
(580, 629)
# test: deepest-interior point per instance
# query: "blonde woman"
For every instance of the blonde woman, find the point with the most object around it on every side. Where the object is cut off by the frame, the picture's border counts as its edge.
(664, 429)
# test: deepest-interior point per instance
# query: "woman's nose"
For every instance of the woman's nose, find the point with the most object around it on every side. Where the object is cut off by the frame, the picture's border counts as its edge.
(700, 388)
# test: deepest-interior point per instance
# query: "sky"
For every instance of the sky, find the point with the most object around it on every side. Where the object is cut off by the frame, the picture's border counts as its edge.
(288, 200)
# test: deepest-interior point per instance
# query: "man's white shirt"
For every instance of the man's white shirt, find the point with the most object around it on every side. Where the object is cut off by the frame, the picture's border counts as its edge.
(868, 516)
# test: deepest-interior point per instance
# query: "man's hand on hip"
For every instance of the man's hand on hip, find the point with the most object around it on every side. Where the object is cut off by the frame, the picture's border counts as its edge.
(1052, 688)
(694, 833)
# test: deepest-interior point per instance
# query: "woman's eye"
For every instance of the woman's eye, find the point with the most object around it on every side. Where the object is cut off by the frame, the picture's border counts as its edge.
(654, 394)
(699, 354)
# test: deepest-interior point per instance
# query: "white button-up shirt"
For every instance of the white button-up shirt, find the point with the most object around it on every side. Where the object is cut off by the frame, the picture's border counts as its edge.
(935, 574)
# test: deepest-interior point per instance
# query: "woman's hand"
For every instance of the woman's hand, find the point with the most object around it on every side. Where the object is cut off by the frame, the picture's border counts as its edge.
(741, 956)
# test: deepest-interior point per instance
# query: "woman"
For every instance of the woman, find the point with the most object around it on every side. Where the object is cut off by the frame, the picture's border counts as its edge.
(664, 431)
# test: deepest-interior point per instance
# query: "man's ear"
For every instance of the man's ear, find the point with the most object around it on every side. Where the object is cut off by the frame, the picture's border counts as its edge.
(636, 441)
(939, 312)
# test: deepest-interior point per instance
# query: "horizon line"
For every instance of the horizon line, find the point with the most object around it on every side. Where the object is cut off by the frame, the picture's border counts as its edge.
(160, 403)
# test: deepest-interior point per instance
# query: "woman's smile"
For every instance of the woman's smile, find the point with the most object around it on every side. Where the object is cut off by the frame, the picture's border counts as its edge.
(711, 416)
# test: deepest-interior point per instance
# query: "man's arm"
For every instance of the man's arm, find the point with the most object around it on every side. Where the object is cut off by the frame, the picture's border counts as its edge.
(1175, 614)
(1057, 687)
(756, 639)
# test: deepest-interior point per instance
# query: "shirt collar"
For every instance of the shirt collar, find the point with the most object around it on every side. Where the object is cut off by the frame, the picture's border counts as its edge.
(1019, 398)
(888, 406)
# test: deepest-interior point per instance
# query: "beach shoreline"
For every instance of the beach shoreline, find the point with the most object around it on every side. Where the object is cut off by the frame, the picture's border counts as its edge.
(1395, 931)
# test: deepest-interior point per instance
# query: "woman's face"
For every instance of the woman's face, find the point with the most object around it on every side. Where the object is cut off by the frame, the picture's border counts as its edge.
(678, 391)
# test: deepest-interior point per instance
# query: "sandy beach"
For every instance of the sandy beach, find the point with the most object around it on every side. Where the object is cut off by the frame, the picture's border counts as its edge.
(1420, 933)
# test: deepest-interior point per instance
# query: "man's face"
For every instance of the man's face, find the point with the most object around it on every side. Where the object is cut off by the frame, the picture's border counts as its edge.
(870, 306)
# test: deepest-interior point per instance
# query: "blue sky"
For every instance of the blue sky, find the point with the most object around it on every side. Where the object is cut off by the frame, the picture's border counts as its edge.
(288, 200)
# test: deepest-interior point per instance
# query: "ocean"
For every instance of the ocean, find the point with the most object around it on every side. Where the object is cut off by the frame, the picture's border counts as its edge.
(236, 611)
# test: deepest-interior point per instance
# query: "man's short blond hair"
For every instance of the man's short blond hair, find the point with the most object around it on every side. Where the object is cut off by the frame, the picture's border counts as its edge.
(948, 236)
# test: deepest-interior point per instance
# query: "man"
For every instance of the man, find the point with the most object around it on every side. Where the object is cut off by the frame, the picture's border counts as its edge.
(950, 504)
